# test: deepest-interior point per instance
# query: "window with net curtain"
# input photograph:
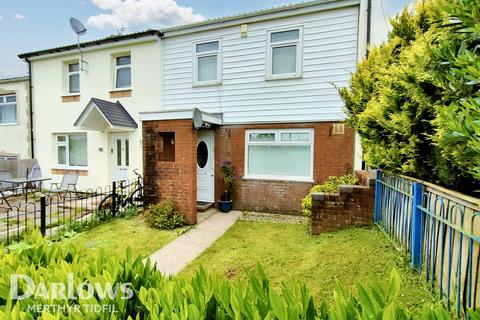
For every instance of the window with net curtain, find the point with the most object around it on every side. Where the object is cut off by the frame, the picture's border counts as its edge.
(72, 149)
(74, 78)
(284, 51)
(280, 154)
(206, 62)
(8, 109)
(123, 77)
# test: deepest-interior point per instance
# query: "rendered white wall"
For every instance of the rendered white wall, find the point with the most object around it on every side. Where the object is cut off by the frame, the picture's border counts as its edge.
(52, 116)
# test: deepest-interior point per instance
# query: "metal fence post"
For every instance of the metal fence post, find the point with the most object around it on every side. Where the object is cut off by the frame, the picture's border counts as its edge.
(378, 186)
(417, 226)
(114, 198)
(43, 215)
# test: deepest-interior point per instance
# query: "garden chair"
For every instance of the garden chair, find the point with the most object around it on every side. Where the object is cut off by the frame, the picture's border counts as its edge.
(68, 184)
(6, 188)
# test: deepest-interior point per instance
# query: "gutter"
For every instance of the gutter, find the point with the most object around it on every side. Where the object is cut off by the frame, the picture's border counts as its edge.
(30, 98)
(369, 24)
(93, 43)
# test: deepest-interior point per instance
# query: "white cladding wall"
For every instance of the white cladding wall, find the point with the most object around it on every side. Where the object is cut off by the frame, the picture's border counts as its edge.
(245, 96)
(15, 139)
(53, 117)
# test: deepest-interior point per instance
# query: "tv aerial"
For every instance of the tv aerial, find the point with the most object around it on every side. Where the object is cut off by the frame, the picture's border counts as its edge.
(80, 30)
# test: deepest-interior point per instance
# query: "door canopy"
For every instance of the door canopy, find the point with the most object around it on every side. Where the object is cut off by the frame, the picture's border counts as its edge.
(101, 115)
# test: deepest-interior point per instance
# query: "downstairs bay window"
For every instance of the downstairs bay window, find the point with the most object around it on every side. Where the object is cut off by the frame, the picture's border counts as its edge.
(284, 154)
(71, 150)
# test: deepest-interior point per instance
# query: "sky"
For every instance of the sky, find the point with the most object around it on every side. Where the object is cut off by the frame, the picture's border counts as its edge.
(28, 25)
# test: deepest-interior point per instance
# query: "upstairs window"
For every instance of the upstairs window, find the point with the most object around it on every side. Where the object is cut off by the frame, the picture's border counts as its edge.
(284, 59)
(73, 78)
(8, 109)
(123, 72)
(207, 63)
(279, 154)
(72, 150)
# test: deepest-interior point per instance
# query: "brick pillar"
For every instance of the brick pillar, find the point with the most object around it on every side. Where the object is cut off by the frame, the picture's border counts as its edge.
(169, 164)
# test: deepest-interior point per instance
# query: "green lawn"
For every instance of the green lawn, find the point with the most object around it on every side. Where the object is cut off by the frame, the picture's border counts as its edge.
(116, 235)
(287, 251)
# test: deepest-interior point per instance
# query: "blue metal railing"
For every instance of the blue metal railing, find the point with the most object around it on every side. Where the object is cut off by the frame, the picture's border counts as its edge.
(440, 229)
(393, 206)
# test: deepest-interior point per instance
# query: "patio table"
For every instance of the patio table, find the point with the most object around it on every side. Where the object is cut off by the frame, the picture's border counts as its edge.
(25, 182)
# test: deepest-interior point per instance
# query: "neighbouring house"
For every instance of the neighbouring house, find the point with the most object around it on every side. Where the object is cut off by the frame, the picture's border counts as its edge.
(15, 116)
(87, 105)
(261, 89)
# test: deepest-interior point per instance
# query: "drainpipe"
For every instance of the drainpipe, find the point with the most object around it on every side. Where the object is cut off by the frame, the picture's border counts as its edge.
(30, 98)
(369, 23)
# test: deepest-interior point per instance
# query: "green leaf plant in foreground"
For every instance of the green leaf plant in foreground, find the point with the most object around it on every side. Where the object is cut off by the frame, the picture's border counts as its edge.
(153, 296)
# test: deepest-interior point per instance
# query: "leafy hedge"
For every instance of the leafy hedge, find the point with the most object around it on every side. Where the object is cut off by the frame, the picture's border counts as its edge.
(415, 100)
(205, 296)
(329, 186)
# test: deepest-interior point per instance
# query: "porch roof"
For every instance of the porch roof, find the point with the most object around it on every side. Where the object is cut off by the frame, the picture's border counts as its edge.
(209, 118)
(101, 115)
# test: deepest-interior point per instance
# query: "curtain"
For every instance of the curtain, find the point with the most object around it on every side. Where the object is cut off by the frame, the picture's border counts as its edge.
(284, 59)
(207, 68)
(8, 113)
(77, 145)
(279, 160)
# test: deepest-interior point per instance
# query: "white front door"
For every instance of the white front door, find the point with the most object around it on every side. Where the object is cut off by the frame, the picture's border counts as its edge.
(121, 156)
(205, 166)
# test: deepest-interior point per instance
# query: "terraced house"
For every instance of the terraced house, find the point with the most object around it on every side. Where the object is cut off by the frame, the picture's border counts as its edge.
(258, 90)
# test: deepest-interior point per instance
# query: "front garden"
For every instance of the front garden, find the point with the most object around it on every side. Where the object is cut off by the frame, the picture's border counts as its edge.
(115, 236)
(287, 252)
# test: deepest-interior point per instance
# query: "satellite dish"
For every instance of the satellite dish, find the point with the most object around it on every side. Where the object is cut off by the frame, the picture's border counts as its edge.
(77, 27)
(197, 118)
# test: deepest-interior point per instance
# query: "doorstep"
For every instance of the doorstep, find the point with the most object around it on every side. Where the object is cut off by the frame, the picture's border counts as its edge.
(203, 206)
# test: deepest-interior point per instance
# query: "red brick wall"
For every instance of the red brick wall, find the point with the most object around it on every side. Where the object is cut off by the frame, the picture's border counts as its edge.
(352, 206)
(333, 156)
(171, 179)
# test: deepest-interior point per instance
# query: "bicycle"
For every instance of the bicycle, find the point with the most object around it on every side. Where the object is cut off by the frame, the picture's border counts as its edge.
(133, 196)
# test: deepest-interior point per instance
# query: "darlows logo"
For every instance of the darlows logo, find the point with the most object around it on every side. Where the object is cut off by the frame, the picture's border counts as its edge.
(23, 287)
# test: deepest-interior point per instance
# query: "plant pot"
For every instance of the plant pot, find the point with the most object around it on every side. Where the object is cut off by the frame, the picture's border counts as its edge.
(225, 206)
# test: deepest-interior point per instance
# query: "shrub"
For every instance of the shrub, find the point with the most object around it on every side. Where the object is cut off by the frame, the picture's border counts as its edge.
(329, 186)
(228, 176)
(415, 101)
(164, 216)
(204, 296)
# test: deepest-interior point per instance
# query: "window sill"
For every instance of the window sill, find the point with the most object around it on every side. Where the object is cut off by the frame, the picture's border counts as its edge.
(278, 178)
(282, 77)
(121, 89)
(71, 98)
(76, 168)
(206, 84)
(9, 124)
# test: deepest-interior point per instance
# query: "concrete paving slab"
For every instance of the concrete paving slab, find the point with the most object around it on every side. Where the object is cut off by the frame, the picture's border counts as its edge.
(176, 255)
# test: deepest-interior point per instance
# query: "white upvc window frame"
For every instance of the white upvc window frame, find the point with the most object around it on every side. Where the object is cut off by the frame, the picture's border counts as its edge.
(71, 73)
(66, 144)
(299, 53)
(196, 56)
(5, 103)
(278, 133)
(117, 67)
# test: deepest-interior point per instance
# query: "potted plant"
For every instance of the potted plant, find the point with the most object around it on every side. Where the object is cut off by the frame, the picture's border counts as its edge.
(228, 175)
